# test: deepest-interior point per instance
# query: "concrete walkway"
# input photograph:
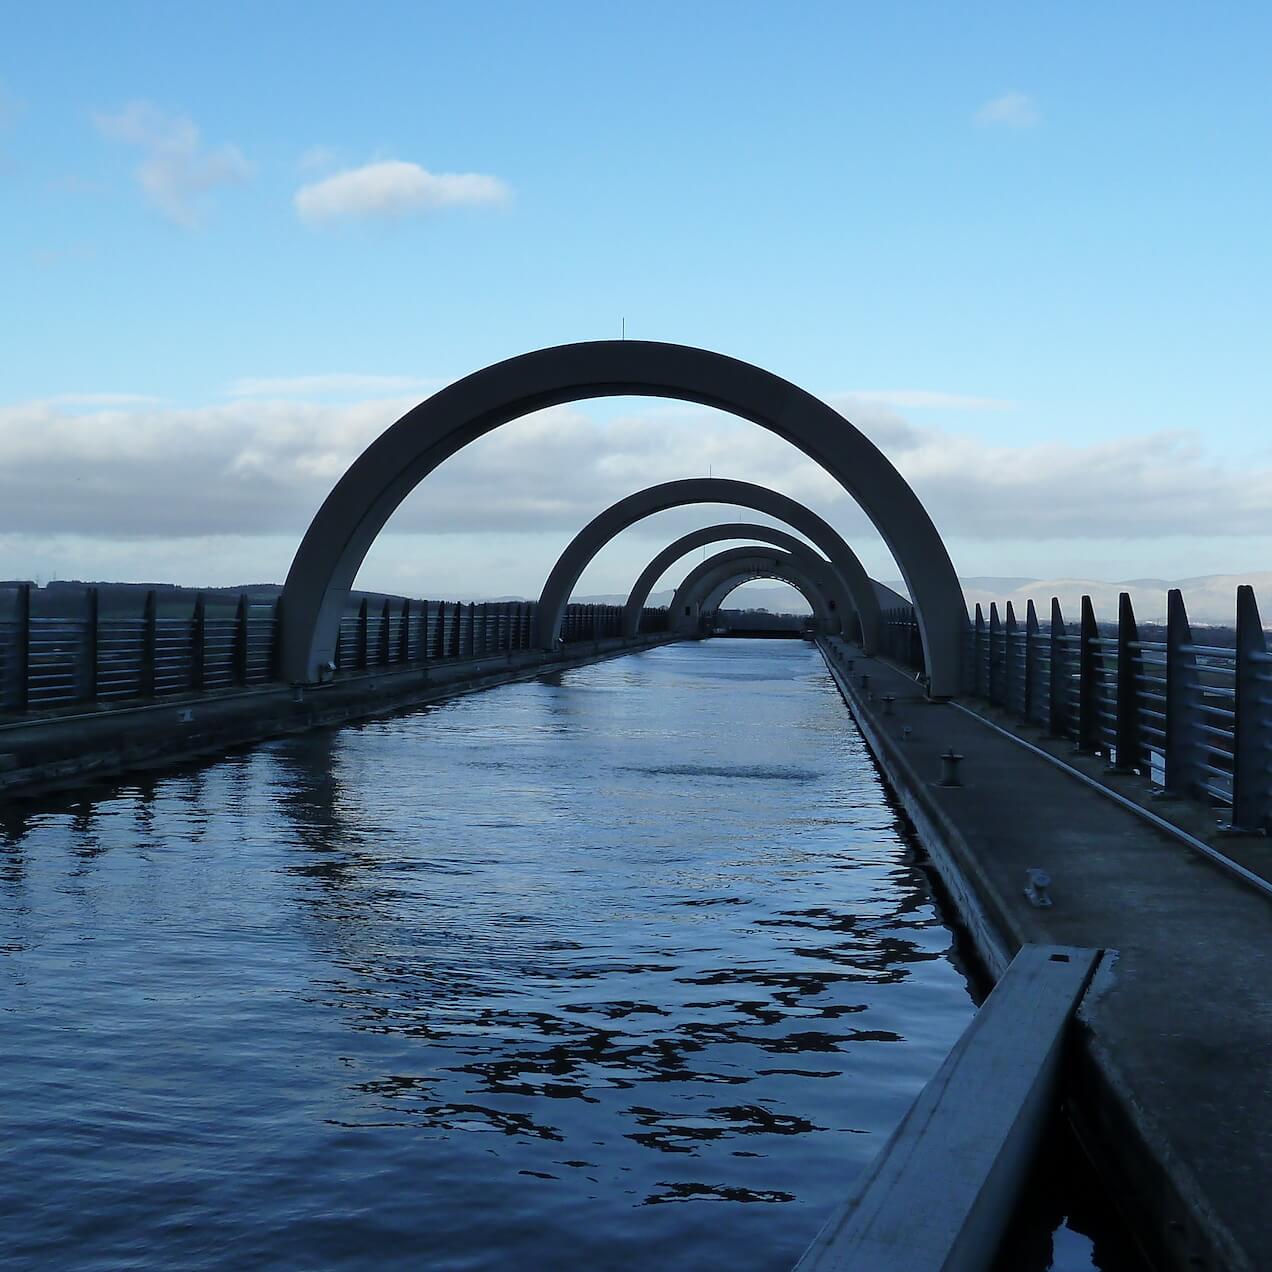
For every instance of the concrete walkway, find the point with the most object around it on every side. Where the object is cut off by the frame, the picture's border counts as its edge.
(1173, 1077)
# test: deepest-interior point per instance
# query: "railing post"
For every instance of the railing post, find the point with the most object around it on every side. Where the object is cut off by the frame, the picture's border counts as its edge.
(383, 644)
(88, 692)
(22, 649)
(1010, 656)
(1128, 758)
(360, 652)
(148, 643)
(1251, 734)
(978, 641)
(276, 646)
(1182, 687)
(1031, 658)
(995, 659)
(404, 634)
(239, 656)
(1088, 680)
(457, 610)
(198, 633)
(1058, 690)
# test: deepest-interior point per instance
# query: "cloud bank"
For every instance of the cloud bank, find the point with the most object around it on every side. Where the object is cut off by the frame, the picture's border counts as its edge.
(391, 189)
(176, 167)
(261, 466)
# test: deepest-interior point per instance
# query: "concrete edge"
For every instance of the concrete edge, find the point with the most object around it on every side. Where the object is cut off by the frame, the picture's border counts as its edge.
(987, 1107)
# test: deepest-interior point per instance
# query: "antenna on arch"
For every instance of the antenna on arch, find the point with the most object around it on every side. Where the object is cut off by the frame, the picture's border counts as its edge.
(622, 329)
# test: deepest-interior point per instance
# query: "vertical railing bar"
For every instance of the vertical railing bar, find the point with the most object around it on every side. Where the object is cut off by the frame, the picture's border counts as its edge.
(1128, 758)
(383, 649)
(239, 655)
(148, 632)
(1057, 692)
(1251, 733)
(22, 650)
(198, 641)
(360, 652)
(88, 691)
(1088, 680)
(1031, 659)
(1182, 777)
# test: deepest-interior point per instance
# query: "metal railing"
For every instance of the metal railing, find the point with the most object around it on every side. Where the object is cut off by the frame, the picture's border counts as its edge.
(1194, 718)
(59, 649)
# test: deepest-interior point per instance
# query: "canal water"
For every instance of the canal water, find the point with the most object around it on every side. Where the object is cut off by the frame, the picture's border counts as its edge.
(627, 967)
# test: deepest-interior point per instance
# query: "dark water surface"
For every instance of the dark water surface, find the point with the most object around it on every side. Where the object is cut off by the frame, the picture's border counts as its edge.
(624, 968)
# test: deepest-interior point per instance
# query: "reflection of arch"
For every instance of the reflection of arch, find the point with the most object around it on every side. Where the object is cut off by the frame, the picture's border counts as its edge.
(838, 595)
(719, 574)
(697, 490)
(327, 561)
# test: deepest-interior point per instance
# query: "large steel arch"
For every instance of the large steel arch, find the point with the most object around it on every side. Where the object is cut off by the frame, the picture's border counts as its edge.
(720, 574)
(695, 490)
(327, 561)
(839, 599)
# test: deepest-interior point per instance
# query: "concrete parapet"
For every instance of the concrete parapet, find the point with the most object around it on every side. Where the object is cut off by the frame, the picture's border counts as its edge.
(67, 750)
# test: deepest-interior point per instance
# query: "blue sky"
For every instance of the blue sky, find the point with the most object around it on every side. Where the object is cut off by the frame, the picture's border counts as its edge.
(1009, 229)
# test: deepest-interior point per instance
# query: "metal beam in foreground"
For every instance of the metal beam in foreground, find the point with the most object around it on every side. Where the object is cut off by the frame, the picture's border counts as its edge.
(940, 1195)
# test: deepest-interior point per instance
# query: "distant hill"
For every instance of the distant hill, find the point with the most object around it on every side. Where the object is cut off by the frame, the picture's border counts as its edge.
(1209, 598)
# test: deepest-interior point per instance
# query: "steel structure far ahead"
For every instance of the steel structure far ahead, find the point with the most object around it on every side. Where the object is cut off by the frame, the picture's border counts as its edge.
(700, 490)
(710, 581)
(353, 514)
(839, 596)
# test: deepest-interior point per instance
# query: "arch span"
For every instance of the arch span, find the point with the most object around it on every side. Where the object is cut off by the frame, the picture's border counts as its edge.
(840, 598)
(718, 575)
(338, 538)
(696, 490)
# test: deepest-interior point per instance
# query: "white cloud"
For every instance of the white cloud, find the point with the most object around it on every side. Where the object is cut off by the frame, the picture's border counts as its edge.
(927, 399)
(333, 384)
(1013, 110)
(176, 168)
(394, 188)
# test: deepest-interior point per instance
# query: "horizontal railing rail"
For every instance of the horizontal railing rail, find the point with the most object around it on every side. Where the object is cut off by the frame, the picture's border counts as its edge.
(1194, 718)
(69, 653)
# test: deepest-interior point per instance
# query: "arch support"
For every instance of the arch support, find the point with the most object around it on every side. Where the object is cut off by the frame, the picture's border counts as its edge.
(700, 490)
(714, 578)
(337, 541)
(842, 599)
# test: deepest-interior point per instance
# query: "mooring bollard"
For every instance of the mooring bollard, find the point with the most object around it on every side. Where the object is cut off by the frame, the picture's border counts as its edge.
(1036, 884)
(949, 768)
(888, 700)
(864, 680)
(906, 731)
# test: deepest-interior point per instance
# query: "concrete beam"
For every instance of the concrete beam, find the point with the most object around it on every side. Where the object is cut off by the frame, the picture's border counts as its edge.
(940, 1195)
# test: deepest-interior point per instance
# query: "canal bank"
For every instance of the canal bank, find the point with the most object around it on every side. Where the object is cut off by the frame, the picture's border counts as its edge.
(59, 751)
(1171, 1088)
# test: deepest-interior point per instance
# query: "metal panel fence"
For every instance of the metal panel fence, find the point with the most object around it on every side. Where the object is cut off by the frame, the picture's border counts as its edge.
(1194, 718)
(59, 649)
